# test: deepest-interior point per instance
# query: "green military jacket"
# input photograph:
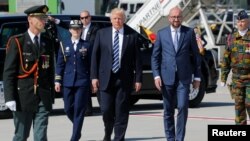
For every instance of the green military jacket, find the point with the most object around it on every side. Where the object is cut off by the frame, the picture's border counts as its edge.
(29, 72)
(237, 58)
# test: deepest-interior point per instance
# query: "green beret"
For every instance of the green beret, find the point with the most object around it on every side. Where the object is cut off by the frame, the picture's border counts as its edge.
(37, 10)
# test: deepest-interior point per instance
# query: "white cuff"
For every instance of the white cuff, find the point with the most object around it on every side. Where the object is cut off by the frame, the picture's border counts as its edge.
(222, 84)
(157, 77)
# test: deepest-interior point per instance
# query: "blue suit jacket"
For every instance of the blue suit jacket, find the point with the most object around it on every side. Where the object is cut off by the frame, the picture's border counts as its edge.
(75, 71)
(101, 61)
(165, 60)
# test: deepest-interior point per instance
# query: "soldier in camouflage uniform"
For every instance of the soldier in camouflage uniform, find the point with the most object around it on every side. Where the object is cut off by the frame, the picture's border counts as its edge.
(237, 59)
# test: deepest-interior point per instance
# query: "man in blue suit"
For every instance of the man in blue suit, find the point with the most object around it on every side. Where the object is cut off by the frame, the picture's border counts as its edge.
(115, 66)
(175, 58)
(72, 71)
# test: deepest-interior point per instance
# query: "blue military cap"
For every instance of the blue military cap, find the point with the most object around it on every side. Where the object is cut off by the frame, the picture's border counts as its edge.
(75, 24)
(38, 10)
(242, 15)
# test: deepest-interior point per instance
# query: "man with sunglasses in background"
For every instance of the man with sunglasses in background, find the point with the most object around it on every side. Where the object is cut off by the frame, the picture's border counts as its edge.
(88, 34)
(29, 77)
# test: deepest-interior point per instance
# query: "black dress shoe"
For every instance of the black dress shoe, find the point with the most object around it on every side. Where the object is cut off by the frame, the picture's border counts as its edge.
(106, 138)
(88, 113)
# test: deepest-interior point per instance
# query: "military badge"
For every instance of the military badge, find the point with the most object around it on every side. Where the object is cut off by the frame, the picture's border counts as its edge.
(247, 48)
(27, 53)
(83, 51)
(67, 51)
(45, 61)
(28, 43)
(43, 44)
(26, 64)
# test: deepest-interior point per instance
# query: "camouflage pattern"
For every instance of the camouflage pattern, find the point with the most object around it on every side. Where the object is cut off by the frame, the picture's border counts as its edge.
(237, 59)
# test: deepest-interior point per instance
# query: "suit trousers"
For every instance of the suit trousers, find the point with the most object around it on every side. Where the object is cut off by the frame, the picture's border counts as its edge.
(75, 104)
(115, 108)
(171, 94)
(24, 120)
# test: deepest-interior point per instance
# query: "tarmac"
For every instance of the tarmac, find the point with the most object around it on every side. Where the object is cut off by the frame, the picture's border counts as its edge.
(145, 123)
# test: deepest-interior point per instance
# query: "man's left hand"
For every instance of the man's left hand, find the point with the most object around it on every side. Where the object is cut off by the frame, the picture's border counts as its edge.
(196, 84)
(137, 87)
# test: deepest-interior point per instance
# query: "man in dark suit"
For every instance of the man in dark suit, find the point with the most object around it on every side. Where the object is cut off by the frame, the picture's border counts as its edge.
(115, 66)
(72, 72)
(28, 77)
(88, 34)
(175, 58)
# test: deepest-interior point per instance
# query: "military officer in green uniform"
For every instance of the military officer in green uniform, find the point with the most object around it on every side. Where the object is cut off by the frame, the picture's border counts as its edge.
(29, 77)
(237, 59)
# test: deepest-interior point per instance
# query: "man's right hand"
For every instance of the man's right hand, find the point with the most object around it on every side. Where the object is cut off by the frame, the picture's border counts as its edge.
(11, 105)
(57, 87)
(222, 84)
(56, 21)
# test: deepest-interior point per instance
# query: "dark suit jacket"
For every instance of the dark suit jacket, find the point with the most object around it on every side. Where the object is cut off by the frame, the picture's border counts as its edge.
(75, 71)
(165, 59)
(92, 33)
(101, 60)
(22, 89)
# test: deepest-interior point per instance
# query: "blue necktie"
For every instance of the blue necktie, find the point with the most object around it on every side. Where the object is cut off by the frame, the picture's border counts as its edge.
(175, 40)
(115, 65)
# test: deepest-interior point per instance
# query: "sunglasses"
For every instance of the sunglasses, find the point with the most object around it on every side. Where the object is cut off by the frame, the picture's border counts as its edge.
(84, 17)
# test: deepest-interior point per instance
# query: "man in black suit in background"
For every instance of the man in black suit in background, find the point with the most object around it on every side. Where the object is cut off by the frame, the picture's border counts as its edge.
(88, 34)
(115, 67)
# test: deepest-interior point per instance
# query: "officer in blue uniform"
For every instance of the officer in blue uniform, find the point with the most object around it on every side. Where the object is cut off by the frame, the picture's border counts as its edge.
(72, 72)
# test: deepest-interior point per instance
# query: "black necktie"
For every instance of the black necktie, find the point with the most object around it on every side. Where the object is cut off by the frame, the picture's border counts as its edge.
(74, 46)
(36, 41)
